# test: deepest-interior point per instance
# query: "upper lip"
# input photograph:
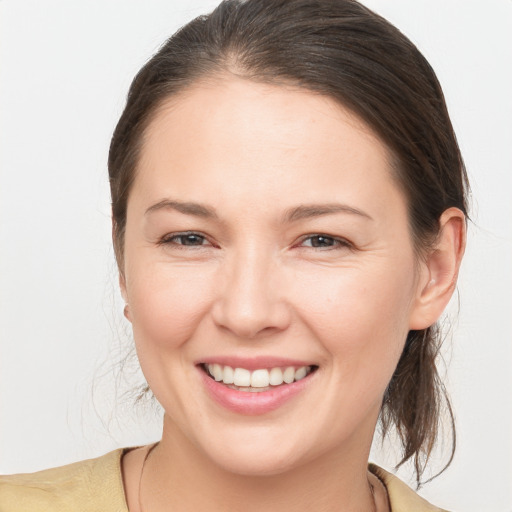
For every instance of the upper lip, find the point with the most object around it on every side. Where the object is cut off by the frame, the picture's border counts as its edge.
(255, 363)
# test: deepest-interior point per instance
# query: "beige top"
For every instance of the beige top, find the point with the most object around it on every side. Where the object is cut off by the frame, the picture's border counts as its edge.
(97, 485)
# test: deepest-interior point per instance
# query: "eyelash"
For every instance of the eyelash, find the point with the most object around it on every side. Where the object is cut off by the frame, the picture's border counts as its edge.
(336, 242)
(170, 239)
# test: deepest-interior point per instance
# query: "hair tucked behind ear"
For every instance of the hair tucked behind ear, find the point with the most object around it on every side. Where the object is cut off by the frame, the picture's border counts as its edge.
(340, 49)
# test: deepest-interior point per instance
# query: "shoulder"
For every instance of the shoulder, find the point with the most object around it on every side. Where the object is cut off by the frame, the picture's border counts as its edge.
(94, 484)
(401, 497)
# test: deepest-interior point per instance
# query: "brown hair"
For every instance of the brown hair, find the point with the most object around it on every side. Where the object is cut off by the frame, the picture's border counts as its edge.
(340, 49)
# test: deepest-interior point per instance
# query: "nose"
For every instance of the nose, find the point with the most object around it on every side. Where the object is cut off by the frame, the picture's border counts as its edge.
(250, 301)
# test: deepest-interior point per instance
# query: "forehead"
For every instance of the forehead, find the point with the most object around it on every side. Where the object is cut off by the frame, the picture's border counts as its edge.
(234, 138)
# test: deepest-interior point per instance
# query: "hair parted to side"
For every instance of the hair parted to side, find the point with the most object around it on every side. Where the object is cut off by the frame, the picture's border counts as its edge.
(340, 49)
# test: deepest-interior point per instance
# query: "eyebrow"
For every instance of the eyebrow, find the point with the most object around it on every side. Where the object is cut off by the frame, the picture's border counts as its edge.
(318, 210)
(188, 208)
(291, 215)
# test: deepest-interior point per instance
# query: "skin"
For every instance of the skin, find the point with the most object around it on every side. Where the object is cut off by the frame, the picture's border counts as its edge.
(255, 285)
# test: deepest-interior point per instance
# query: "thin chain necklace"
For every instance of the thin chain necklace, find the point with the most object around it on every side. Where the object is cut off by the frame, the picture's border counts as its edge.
(152, 447)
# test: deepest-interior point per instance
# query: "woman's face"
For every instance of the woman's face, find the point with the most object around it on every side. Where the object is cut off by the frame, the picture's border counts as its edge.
(265, 234)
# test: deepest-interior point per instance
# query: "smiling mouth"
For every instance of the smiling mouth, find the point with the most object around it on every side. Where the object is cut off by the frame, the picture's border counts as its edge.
(259, 380)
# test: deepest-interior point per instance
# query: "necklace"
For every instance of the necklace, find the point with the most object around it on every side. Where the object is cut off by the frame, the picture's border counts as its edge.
(148, 453)
(153, 446)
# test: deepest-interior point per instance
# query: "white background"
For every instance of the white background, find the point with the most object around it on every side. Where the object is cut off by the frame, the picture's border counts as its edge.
(64, 71)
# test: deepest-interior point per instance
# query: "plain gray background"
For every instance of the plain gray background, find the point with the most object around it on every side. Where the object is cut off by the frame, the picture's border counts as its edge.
(65, 70)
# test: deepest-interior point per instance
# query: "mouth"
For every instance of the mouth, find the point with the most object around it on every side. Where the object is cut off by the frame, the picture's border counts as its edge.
(257, 380)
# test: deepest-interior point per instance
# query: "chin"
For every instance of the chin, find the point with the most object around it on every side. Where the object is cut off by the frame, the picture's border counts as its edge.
(262, 451)
(254, 465)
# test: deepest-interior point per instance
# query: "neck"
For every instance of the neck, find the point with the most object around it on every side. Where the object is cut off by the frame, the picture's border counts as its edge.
(178, 472)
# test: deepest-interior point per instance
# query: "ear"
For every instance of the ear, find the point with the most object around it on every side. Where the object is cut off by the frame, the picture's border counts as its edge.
(120, 263)
(439, 271)
(122, 286)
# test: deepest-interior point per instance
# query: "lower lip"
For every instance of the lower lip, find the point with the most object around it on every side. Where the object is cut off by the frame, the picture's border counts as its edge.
(253, 403)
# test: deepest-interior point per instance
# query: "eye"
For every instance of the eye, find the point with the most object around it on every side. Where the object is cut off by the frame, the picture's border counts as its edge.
(188, 239)
(323, 242)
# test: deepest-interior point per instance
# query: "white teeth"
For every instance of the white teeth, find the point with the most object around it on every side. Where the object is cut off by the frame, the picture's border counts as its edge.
(260, 379)
(276, 377)
(257, 379)
(289, 375)
(217, 372)
(229, 375)
(242, 377)
(301, 373)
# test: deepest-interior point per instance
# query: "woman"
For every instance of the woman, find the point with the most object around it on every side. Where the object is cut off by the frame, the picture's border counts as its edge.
(289, 211)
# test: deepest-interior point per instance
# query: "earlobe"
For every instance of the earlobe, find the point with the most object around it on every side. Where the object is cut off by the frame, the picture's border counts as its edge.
(440, 270)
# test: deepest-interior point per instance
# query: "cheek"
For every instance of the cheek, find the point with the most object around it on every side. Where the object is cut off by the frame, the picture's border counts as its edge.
(167, 303)
(361, 315)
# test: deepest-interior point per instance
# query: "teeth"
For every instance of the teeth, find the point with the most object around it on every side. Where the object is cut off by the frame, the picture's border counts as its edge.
(242, 377)
(301, 373)
(229, 375)
(218, 374)
(276, 377)
(289, 375)
(260, 379)
(257, 379)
